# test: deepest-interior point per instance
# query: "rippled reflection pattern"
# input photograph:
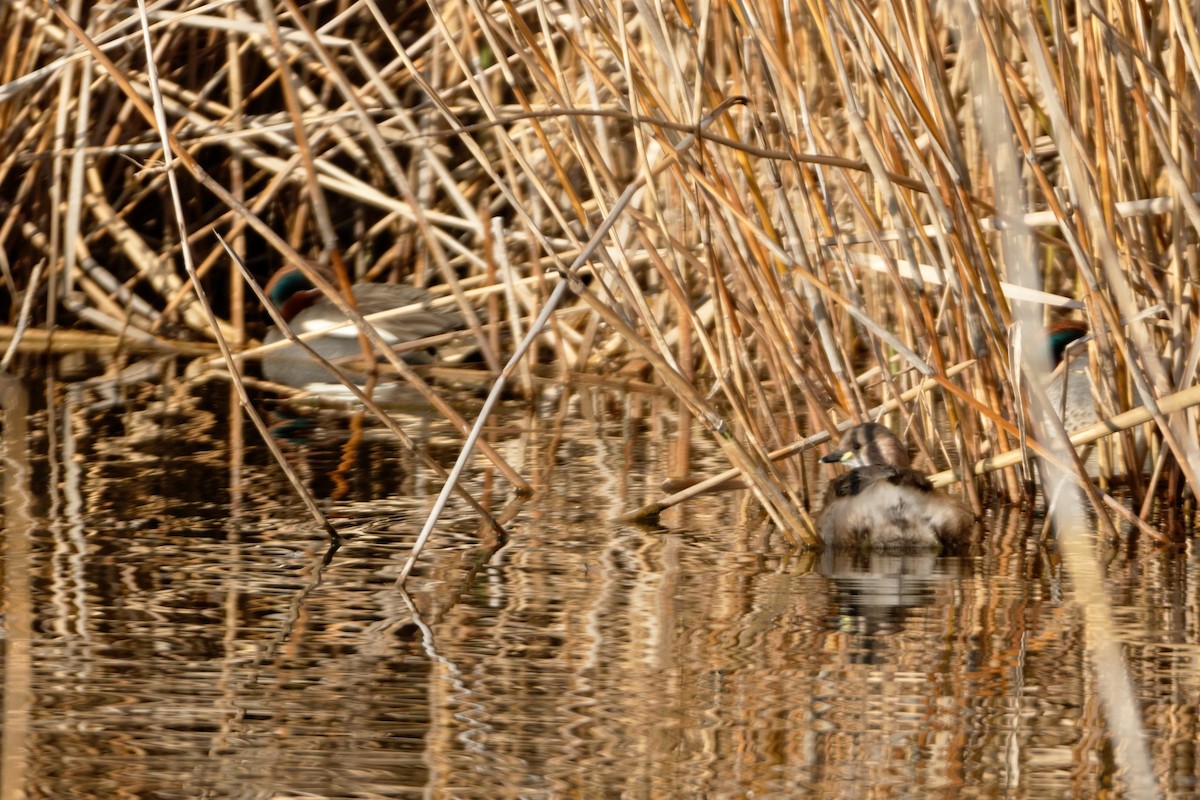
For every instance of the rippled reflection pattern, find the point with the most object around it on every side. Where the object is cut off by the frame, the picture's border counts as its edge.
(184, 640)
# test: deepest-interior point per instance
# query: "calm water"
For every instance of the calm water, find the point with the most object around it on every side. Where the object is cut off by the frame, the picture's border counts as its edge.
(170, 631)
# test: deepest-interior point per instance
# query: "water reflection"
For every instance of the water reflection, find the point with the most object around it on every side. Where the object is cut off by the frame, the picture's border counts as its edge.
(877, 593)
(184, 640)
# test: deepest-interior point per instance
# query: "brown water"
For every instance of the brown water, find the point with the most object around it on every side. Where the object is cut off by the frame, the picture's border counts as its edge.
(171, 632)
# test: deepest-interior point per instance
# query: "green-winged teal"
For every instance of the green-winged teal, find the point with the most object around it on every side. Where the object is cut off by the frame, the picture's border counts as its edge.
(883, 503)
(305, 309)
(1071, 391)
(1070, 386)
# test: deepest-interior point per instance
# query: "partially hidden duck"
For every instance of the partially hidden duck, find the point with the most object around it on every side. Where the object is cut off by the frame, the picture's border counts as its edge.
(306, 309)
(1072, 392)
(1070, 386)
(883, 503)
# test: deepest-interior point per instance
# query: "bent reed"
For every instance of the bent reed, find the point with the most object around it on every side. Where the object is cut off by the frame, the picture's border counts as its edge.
(840, 209)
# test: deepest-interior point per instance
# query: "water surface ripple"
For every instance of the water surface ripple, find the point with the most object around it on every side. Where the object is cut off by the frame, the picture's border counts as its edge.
(171, 633)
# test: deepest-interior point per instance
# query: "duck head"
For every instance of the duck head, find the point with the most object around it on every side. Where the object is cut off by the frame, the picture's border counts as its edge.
(291, 292)
(1061, 334)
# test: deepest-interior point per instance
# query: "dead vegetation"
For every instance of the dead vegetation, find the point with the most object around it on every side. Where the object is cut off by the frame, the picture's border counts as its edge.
(807, 213)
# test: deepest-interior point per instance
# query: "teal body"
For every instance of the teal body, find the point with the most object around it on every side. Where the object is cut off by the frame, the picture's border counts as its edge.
(305, 309)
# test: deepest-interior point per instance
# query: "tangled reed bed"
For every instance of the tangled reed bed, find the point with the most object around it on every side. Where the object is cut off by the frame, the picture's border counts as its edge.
(828, 209)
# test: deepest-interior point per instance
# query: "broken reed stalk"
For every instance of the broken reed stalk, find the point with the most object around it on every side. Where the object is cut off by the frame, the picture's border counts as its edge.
(837, 220)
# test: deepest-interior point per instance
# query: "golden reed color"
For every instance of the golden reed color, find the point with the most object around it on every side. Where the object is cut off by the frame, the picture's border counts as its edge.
(883, 503)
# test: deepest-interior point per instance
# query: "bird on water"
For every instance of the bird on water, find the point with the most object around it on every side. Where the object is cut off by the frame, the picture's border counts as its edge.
(883, 503)
(304, 309)
(1074, 396)
(1070, 389)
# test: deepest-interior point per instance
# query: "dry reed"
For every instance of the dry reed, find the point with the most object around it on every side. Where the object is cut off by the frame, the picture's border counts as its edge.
(818, 227)
(825, 208)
